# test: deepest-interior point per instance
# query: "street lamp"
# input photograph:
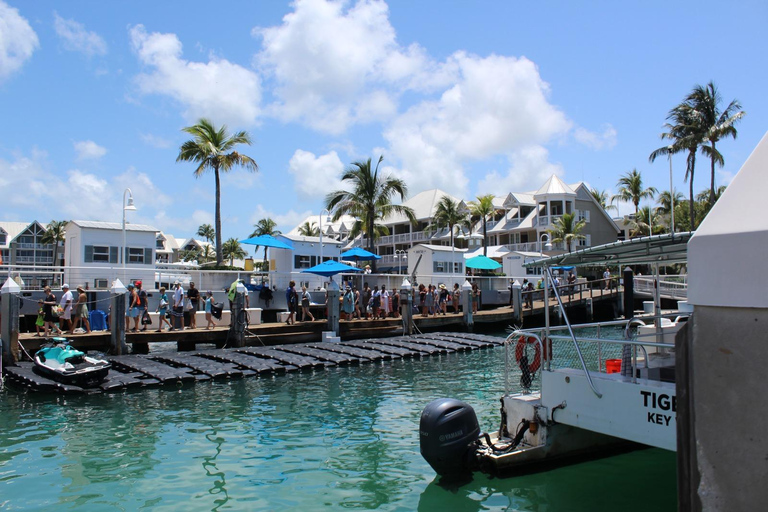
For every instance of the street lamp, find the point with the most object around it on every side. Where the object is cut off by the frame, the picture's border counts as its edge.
(327, 219)
(548, 245)
(126, 207)
(400, 255)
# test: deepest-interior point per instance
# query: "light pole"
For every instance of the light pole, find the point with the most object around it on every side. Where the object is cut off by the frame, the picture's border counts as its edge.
(126, 207)
(327, 219)
(400, 255)
(548, 245)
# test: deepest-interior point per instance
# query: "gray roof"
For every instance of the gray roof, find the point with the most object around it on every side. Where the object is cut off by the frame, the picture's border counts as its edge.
(93, 224)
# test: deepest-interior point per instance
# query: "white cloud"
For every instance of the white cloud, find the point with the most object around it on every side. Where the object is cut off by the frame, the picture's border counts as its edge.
(315, 176)
(335, 67)
(597, 141)
(498, 105)
(77, 39)
(529, 169)
(155, 141)
(220, 90)
(89, 150)
(17, 40)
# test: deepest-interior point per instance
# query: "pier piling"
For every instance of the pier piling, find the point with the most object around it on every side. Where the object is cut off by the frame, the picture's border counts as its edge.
(333, 306)
(406, 307)
(117, 318)
(517, 302)
(466, 302)
(9, 322)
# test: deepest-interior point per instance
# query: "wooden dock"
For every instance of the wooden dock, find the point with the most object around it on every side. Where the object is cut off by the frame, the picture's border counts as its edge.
(178, 369)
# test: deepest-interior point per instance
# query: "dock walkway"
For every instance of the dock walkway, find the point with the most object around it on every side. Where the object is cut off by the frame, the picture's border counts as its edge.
(169, 368)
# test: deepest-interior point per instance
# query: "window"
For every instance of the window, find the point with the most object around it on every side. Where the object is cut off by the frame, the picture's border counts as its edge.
(438, 267)
(100, 283)
(160, 245)
(135, 255)
(300, 261)
(3, 238)
(100, 254)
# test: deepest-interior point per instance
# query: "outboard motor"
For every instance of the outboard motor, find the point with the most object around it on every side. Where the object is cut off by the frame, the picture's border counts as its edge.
(448, 430)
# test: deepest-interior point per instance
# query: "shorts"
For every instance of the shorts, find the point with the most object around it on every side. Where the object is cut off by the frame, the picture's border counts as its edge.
(134, 312)
(82, 311)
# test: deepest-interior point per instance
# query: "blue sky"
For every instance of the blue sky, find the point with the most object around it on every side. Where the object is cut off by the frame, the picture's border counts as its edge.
(470, 97)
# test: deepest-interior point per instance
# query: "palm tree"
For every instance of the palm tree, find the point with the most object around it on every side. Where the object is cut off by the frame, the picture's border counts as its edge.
(703, 198)
(646, 222)
(190, 255)
(631, 189)
(309, 230)
(213, 150)
(206, 254)
(206, 231)
(667, 201)
(54, 233)
(601, 196)
(265, 227)
(369, 200)
(481, 210)
(232, 249)
(449, 214)
(567, 229)
(713, 123)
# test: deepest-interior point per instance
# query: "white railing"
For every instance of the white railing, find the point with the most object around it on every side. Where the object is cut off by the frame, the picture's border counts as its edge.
(668, 288)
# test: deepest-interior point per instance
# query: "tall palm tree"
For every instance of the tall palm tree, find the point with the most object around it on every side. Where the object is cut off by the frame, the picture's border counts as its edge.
(631, 189)
(714, 124)
(370, 198)
(703, 199)
(567, 229)
(206, 254)
(667, 201)
(206, 231)
(232, 249)
(308, 229)
(481, 210)
(449, 214)
(54, 233)
(265, 226)
(601, 196)
(213, 149)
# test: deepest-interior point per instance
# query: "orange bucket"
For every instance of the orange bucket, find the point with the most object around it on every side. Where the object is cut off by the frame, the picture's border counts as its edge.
(612, 365)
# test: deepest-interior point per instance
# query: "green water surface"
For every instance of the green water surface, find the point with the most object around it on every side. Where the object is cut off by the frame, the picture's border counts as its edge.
(342, 438)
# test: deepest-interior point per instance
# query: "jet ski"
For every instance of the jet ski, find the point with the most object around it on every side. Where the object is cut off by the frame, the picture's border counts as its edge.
(59, 361)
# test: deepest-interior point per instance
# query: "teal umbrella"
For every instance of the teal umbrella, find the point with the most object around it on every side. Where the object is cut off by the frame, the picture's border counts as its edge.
(482, 263)
(266, 241)
(330, 268)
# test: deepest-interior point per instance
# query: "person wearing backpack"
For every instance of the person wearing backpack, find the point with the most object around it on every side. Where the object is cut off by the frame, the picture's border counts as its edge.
(291, 298)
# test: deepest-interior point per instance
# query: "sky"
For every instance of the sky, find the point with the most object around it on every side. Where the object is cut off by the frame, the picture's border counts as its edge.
(469, 97)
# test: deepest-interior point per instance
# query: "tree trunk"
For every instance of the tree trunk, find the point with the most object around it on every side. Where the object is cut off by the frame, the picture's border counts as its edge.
(219, 257)
(691, 208)
(712, 185)
(485, 242)
(370, 237)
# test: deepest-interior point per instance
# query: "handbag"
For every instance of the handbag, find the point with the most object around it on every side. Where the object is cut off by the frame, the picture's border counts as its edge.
(145, 318)
(163, 303)
(188, 305)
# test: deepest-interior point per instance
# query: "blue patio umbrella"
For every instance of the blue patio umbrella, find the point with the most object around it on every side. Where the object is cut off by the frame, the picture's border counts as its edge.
(330, 268)
(358, 253)
(266, 241)
(481, 262)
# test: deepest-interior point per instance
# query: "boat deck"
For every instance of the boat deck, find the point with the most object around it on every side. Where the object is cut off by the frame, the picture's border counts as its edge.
(136, 371)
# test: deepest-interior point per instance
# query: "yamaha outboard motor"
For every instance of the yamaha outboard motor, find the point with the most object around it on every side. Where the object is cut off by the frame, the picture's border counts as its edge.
(448, 432)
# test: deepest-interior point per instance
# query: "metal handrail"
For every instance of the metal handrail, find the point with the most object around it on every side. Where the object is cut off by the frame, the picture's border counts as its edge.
(573, 336)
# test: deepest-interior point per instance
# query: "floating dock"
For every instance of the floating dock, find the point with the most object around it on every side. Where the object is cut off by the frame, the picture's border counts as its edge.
(171, 368)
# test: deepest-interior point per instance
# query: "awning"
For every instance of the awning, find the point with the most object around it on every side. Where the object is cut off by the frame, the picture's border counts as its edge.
(666, 249)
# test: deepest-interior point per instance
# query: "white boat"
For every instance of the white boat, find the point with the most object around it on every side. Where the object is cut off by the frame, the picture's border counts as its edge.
(582, 391)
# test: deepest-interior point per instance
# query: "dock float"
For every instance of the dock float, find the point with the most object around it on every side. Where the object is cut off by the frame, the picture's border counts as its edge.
(172, 368)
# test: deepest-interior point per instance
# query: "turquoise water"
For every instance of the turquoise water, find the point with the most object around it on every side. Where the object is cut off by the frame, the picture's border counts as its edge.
(344, 438)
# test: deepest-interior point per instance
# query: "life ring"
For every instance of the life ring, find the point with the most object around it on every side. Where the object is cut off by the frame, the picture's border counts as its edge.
(520, 350)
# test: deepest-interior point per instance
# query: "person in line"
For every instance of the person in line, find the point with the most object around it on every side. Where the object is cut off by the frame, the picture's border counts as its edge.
(66, 303)
(208, 309)
(385, 303)
(48, 304)
(81, 309)
(134, 310)
(423, 299)
(358, 312)
(475, 297)
(443, 299)
(162, 310)
(142, 304)
(529, 296)
(291, 298)
(305, 300)
(40, 320)
(396, 304)
(348, 303)
(571, 284)
(367, 300)
(456, 298)
(193, 294)
(429, 301)
(375, 302)
(178, 306)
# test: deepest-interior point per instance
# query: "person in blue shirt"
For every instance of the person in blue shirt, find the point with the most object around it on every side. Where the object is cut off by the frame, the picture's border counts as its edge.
(208, 306)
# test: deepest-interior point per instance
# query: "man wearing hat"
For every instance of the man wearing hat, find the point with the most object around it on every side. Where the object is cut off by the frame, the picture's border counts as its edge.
(178, 305)
(65, 318)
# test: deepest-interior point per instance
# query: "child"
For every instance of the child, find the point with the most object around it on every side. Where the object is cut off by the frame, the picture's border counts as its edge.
(40, 322)
(162, 309)
(208, 306)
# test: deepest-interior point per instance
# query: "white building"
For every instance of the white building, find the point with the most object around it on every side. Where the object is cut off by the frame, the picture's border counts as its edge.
(95, 257)
(288, 264)
(435, 261)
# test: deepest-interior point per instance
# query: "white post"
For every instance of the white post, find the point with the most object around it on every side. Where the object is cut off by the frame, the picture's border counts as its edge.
(9, 296)
(117, 318)
(126, 207)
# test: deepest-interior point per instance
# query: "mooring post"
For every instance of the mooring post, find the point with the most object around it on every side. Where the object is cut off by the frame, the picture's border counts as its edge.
(629, 293)
(9, 317)
(466, 303)
(237, 319)
(406, 306)
(590, 309)
(517, 301)
(117, 318)
(333, 306)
